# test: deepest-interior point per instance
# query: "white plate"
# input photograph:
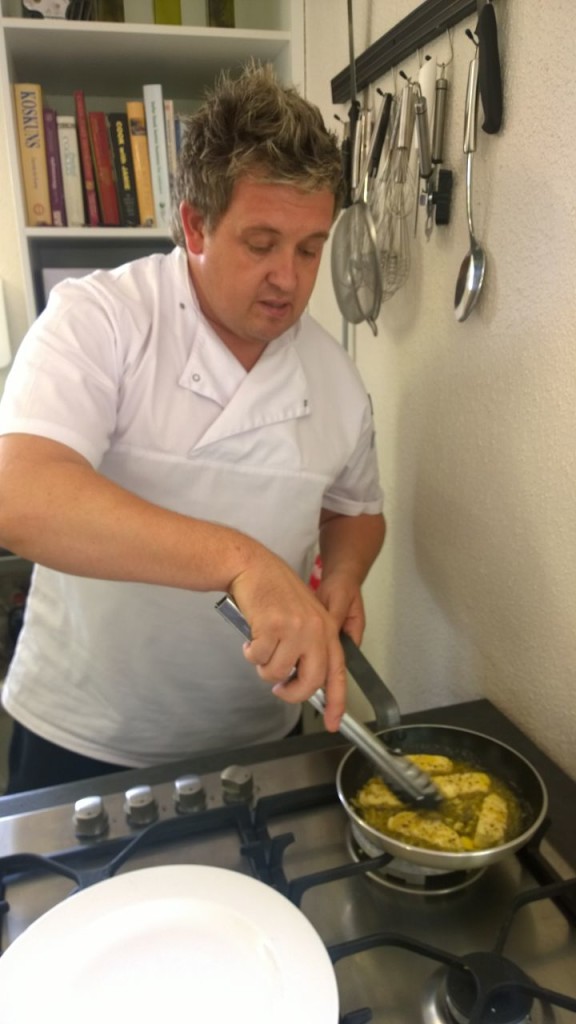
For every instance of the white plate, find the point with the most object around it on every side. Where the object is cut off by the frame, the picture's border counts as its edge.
(167, 944)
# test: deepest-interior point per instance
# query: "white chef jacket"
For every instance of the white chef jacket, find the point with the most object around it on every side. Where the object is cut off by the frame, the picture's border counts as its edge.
(123, 368)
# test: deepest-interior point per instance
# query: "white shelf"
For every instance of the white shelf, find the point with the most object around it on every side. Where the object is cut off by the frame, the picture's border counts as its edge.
(94, 235)
(106, 58)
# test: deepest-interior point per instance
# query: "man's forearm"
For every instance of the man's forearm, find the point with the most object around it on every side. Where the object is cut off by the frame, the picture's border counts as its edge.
(350, 544)
(57, 511)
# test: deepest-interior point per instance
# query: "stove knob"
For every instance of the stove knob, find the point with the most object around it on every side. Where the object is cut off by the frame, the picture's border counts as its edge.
(237, 784)
(140, 807)
(90, 818)
(189, 794)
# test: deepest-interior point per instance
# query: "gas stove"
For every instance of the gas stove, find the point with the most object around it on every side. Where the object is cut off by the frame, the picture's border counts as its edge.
(407, 947)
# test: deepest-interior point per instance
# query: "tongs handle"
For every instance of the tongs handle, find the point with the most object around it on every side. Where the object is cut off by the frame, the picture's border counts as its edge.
(404, 778)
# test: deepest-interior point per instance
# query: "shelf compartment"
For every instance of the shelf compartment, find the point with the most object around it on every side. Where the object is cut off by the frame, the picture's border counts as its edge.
(105, 59)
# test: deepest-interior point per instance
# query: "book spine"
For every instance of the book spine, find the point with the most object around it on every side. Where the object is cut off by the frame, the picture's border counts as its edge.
(179, 131)
(158, 153)
(88, 179)
(171, 149)
(124, 168)
(32, 143)
(55, 183)
(103, 168)
(141, 161)
(71, 170)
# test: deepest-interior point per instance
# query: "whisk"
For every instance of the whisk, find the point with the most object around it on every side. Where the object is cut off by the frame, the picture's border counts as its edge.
(391, 230)
(394, 254)
(402, 186)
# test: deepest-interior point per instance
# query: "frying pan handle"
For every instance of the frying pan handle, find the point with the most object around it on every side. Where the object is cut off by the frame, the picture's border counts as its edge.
(386, 710)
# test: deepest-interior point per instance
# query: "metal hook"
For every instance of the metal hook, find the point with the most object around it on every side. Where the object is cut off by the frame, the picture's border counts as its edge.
(445, 63)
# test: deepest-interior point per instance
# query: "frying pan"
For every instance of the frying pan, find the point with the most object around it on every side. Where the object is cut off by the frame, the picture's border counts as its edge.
(485, 753)
(481, 751)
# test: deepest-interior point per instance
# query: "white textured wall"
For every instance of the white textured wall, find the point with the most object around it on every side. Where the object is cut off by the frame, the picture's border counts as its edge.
(475, 593)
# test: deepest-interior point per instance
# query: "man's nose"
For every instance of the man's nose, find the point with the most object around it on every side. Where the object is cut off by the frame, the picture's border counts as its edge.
(282, 271)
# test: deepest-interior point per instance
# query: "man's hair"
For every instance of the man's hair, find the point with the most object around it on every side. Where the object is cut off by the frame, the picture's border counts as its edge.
(252, 125)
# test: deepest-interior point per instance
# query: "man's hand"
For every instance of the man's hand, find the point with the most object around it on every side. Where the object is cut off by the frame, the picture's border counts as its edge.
(291, 628)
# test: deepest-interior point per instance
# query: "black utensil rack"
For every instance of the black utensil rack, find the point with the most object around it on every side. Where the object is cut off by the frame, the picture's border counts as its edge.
(426, 22)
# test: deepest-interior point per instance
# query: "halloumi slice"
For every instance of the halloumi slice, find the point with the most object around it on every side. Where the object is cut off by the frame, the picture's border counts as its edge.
(431, 831)
(377, 794)
(492, 822)
(432, 764)
(463, 784)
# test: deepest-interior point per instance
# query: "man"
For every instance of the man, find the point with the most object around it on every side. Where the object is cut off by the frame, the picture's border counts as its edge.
(178, 428)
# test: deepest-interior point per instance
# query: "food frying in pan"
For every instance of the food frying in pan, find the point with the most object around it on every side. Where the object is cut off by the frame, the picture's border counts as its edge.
(478, 812)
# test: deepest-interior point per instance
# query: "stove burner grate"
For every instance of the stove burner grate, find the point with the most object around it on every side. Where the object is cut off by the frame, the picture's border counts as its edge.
(404, 876)
(477, 988)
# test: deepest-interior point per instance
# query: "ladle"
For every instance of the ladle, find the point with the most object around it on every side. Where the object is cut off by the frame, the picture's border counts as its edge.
(473, 268)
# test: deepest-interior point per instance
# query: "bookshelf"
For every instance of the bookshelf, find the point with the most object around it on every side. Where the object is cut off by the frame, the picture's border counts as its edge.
(111, 61)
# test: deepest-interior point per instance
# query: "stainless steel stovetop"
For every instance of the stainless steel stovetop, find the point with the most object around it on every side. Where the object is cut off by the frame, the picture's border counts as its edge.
(272, 812)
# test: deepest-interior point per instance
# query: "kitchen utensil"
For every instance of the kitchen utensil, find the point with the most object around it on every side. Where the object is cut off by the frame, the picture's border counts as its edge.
(489, 74)
(354, 255)
(355, 268)
(394, 253)
(424, 152)
(435, 197)
(391, 231)
(404, 778)
(369, 170)
(177, 942)
(462, 745)
(473, 267)
(410, 785)
(401, 192)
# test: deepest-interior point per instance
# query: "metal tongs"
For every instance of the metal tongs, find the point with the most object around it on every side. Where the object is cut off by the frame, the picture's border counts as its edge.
(405, 779)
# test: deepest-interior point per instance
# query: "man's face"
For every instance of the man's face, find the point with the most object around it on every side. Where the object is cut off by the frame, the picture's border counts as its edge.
(254, 273)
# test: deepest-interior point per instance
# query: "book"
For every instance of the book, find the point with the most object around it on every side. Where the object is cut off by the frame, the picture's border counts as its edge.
(55, 183)
(124, 169)
(71, 170)
(32, 145)
(158, 153)
(141, 160)
(103, 168)
(171, 147)
(88, 178)
(179, 125)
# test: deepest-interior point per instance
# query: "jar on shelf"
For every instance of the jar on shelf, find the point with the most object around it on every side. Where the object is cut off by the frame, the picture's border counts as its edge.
(109, 10)
(167, 12)
(220, 13)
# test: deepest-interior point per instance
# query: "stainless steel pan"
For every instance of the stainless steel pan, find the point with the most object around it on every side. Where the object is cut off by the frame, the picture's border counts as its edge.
(483, 752)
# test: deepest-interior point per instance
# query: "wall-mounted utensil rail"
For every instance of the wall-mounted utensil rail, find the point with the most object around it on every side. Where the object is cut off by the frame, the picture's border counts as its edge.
(426, 22)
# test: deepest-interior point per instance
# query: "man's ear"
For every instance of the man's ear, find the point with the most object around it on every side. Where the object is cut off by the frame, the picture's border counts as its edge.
(193, 228)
